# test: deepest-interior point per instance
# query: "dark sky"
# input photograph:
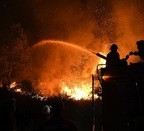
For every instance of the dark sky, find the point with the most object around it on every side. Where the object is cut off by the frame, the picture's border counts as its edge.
(77, 21)
(16, 12)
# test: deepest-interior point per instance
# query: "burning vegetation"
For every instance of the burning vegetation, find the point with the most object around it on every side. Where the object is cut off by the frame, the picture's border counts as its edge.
(63, 68)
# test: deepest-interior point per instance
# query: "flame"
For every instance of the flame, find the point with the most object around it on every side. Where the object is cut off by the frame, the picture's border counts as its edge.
(64, 68)
(77, 93)
(18, 90)
(85, 90)
(13, 85)
(74, 74)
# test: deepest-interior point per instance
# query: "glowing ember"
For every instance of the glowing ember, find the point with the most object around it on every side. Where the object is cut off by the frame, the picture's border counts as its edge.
(18, 90)
(13, 85)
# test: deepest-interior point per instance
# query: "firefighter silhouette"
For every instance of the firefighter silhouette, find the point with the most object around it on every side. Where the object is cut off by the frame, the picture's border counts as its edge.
(140, 47)
(58, 122)
(113, 57)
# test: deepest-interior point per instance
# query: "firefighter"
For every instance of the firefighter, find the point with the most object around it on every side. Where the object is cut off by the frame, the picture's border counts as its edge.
(140, 47)
(57, 121)
(113, 57)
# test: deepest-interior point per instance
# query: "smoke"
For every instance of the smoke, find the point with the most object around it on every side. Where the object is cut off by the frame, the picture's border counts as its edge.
(57, 63)
(129, 26)
(71, 21)
(92, 24)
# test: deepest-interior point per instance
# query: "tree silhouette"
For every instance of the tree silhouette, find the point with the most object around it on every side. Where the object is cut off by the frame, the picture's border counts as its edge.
(15, 58)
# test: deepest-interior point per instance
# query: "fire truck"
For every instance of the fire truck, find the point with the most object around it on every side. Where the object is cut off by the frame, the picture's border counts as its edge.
(122, 97)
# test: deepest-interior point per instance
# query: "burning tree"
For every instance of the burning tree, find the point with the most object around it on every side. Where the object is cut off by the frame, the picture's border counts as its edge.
(15, 58)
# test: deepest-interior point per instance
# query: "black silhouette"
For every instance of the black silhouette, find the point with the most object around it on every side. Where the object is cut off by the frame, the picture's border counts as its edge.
(113, 57)
(140, 47)
(57, 122)
(7, 118)
(42, 117)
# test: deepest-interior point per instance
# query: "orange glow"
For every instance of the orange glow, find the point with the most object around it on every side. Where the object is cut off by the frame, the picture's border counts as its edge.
(101, 60)
(64, 68)
(106, 77)
(13, 85)
(18, 90)
(81, 92)
(77, 93)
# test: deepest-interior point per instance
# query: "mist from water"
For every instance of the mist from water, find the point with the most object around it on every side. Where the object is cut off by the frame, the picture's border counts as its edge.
(56, 63)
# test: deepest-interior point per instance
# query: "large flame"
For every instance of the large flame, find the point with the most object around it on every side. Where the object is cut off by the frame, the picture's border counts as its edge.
(76, 92)
(60, 67)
